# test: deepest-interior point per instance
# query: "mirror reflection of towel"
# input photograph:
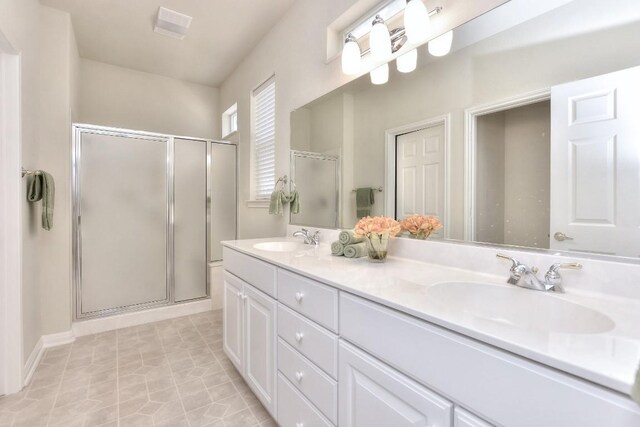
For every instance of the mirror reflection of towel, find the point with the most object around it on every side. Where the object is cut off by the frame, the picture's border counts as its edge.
(364, 200)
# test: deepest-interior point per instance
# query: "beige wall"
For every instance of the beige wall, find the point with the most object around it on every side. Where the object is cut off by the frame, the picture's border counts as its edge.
(490, 177)
(120, 97)
(44, 39)
(296, 51)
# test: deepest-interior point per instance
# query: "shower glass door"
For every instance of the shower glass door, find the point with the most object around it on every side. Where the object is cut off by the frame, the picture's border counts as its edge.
(122, 233)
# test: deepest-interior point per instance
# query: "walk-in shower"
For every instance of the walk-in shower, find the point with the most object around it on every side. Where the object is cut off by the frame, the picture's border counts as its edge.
(149, 212)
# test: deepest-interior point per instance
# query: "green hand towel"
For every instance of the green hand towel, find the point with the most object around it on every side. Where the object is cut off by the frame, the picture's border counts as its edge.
(635, 391)
(275, 203)
(40, 186)
(357, 250)
(294, 201)
(337, 249)
(348, 237)
(364, 200)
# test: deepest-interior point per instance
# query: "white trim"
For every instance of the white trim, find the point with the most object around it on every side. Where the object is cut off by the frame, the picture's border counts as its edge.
(390, 164)
(11, 351)
(470, 134)
(96, 326)
(61, 338)
(33, 361)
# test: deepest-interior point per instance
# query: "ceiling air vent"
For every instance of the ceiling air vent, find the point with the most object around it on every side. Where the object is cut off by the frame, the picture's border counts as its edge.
(171, 23)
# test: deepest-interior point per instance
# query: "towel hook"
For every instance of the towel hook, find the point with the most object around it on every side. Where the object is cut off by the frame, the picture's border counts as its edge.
(26, 171)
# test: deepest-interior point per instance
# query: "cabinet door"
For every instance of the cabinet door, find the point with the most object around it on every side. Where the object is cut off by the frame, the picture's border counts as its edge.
(233, 320)
(462, 418)
(372, 394)
(260, 341)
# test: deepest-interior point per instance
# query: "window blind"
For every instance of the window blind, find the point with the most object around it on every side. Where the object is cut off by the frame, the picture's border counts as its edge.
(264, 141)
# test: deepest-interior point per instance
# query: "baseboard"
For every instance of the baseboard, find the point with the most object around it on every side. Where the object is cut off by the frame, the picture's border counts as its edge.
(33, 361)
(119, 321)
(54, 340)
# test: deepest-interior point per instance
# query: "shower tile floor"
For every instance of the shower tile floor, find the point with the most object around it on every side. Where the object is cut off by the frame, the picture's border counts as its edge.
(171, 373)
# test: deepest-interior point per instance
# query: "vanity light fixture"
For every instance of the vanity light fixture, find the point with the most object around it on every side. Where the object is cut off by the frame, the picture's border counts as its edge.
(380, 75)
(441, 45)
(351, 56)
(384, 43)
(380, 40)
(417, 23)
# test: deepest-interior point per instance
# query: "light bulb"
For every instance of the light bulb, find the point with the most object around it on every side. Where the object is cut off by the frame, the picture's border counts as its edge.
(351, 61)
(407, 62)
(380, 75)
(441, 45)
(380, 40)
(416, 21)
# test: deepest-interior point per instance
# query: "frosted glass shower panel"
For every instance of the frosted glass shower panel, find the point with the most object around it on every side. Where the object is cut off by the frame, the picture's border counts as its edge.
(223, 197)
(190, 219)
(123, 221)
(315, 176)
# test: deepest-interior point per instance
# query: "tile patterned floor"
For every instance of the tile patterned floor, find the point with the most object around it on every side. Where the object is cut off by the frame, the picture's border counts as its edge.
(165, 374)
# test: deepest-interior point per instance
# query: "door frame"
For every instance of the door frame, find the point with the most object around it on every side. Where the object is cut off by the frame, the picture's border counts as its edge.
(390, 164)
(11, 351)
(470, 146)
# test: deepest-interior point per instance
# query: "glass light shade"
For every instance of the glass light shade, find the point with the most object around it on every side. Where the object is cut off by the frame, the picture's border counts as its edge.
(351, 61)
(380, 75)
(407, 62)
(416, 21)
(380, 41)
(441, 45)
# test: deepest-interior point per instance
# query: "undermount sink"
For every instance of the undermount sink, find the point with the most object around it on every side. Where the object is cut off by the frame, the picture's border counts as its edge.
(279, 246)
(521, 308)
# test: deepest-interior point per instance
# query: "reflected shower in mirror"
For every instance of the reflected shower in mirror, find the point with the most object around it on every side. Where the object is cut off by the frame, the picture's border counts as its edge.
(521, 136)
(315, 176)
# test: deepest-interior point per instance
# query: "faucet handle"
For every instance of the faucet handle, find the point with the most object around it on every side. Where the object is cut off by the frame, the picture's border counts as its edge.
(568, 265)
(508, 258)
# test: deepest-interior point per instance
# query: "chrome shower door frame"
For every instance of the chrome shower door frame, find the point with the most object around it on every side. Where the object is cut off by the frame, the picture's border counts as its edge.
(76, 163)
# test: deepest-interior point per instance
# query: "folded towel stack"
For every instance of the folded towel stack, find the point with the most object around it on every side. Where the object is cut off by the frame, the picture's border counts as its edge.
(349, 245)
(40, 186)
(348, 237)
(635, 391)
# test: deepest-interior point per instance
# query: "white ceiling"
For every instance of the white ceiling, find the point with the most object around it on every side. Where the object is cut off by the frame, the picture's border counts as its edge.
(222, 33)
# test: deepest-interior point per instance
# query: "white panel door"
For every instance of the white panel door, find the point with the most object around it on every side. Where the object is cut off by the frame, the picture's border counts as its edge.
(372, 394)
(233, 326)
(420, 173)
(595, 164)
(260, 345)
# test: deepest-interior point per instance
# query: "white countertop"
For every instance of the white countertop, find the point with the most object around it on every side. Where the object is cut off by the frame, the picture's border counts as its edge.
(609, 358)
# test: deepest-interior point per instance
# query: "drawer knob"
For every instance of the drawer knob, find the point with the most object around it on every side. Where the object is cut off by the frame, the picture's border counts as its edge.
(299, 336)
(299, 376)
(299, 296)
(299, 424)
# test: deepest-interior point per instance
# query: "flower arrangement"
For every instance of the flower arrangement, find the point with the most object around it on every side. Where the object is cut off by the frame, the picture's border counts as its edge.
(420, 226)
(377, 231)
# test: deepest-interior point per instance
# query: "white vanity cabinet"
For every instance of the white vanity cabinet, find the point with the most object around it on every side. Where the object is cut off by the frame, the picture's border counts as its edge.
(249, 337)
(375, 395)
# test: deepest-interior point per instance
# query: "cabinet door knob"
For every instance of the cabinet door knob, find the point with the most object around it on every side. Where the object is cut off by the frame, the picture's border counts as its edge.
(299, 424)
(299, 296)
(561, 237)
(299, 376)
(299, 336)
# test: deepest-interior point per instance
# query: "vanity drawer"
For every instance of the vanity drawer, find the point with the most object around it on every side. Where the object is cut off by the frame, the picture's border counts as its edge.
(489, 381)
(462, 418)
(316, 301)
(294, 410)
(253, 271)
(317, 386)
(316, 343)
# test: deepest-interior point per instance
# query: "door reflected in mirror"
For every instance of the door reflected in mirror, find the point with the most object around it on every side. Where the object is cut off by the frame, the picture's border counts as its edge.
(523, 135)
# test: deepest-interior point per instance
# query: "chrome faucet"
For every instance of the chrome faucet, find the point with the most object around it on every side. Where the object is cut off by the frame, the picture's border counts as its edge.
(309, 239)
(525, 277)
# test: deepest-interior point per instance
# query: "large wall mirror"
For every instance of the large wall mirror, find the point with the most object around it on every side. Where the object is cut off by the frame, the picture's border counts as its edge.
(527, 134)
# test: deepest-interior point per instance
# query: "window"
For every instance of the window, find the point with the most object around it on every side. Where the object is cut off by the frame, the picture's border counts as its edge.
(263, 141)
(230, 121)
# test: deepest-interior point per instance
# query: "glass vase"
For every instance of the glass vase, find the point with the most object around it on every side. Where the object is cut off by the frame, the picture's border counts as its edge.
(377, 247)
